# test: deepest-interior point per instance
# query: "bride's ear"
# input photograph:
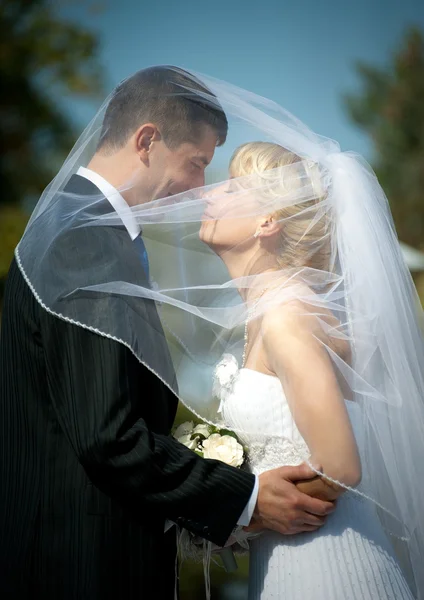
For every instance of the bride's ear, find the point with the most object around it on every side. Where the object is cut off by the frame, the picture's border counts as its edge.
(268, 227)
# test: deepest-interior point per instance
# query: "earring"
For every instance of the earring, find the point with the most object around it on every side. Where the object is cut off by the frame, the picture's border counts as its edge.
(256, 234)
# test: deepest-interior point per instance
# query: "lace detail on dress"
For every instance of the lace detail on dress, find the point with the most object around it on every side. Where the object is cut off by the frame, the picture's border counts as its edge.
(269, 452)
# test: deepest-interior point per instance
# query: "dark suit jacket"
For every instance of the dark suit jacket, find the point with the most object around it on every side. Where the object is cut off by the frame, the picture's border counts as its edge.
(88, 471)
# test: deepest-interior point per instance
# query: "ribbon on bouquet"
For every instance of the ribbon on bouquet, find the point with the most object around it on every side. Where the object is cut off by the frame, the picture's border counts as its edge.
(200, 550)
(228, 559)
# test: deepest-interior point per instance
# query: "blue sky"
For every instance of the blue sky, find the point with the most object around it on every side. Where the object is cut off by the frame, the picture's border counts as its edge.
(300, 54)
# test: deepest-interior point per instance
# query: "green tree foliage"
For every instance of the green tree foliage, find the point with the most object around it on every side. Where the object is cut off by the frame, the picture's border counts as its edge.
(390, 109)
(43, 56)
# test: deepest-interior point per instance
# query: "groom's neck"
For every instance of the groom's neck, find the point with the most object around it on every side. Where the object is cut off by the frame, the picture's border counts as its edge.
(116, 170)
(112, 168)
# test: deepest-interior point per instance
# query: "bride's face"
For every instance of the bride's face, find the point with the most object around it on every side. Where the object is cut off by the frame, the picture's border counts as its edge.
(229, 221)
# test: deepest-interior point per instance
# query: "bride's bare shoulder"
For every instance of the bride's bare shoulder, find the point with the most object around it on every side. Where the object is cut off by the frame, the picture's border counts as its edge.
(302, 320)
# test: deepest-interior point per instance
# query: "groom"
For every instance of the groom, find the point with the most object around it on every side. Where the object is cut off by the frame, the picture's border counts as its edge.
(88, 471)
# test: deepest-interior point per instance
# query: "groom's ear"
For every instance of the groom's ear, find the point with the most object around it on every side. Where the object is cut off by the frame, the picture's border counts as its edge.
(145, 136)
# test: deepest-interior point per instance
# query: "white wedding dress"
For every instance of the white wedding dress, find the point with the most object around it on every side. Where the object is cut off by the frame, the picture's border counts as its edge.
(350, 557)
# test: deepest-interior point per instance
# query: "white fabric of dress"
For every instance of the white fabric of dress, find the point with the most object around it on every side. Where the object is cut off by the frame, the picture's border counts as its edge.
(350, 557)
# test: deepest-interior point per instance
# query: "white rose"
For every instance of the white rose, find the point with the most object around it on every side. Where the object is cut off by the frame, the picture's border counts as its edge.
(225, 448)
(202, 429)
(183, 429)
(188, 442)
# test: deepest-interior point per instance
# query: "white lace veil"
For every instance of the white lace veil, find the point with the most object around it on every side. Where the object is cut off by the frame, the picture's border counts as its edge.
(337, 255)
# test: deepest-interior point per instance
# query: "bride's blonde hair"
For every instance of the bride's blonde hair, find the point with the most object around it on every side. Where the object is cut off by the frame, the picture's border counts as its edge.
(304, 238)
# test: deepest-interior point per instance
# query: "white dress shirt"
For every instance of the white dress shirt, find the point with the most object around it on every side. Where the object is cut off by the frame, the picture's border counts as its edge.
(117, 201)
(134, 230)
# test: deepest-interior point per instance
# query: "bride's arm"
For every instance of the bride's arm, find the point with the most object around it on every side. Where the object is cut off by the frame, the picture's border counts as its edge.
(300, 360)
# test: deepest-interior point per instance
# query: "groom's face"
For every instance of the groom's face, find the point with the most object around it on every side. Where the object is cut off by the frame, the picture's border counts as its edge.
(173, 171)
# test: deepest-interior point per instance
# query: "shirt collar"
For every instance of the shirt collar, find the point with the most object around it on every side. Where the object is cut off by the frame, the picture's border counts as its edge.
(115, 198)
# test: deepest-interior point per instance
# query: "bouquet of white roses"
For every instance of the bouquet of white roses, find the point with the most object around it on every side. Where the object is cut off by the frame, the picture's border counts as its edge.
(212, 442)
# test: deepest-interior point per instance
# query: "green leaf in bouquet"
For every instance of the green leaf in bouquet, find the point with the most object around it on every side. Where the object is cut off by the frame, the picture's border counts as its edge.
(228, 432)
(199, 453)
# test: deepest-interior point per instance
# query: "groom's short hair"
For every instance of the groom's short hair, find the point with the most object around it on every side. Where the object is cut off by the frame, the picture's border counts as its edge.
(169, 97)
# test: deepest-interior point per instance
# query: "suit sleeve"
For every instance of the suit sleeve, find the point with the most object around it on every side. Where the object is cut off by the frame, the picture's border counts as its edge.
(99, 394)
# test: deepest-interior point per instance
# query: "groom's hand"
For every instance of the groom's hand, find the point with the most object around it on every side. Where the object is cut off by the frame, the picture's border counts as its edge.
(282, 507)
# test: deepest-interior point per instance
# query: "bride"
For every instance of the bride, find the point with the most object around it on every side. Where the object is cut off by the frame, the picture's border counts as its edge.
(289, 399)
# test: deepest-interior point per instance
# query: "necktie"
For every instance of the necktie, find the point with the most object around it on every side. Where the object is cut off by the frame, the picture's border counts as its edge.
(142, 252)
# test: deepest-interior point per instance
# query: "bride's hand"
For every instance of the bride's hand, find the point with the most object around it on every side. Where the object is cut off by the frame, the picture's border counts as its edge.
(321, 488)
(282, 507)
(254, 527)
